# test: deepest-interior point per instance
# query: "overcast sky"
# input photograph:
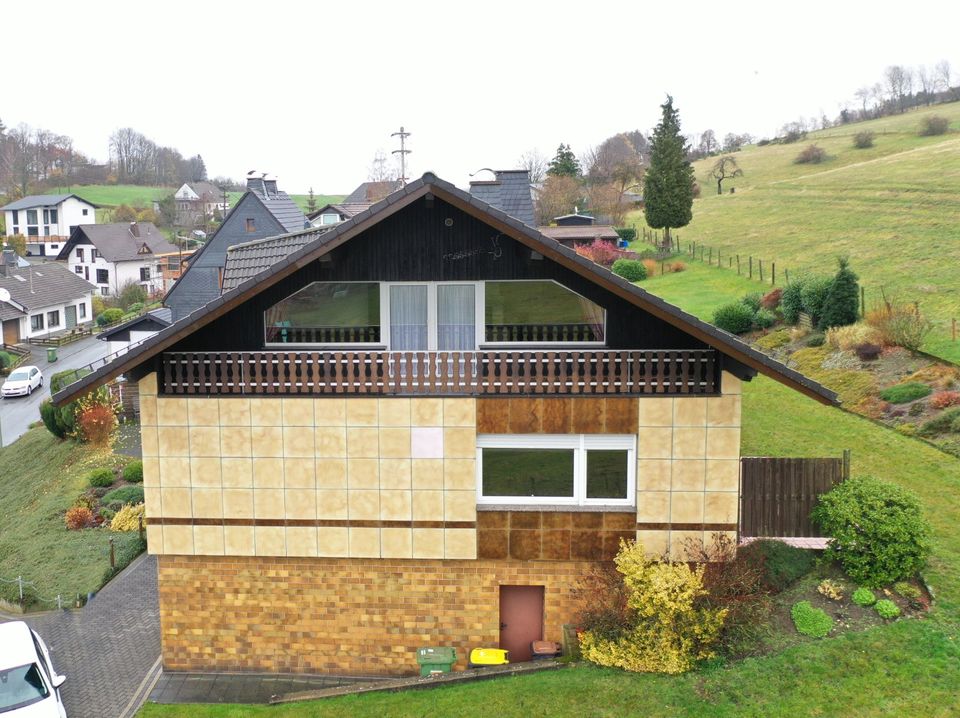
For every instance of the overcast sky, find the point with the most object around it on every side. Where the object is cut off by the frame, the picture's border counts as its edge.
(309, 91)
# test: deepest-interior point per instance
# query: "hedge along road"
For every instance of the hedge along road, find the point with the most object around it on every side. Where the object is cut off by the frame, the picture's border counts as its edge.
(17, 413)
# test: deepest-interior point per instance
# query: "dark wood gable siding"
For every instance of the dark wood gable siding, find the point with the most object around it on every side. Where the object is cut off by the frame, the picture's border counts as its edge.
(416, 244)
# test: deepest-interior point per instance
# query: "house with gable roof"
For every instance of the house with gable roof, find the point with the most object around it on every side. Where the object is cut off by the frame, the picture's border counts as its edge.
(354, 203)
(263, 211)
(421, 426)
(195, 202)
(47, 220)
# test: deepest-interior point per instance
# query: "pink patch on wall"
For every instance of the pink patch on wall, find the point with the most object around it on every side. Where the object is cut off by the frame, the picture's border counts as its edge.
(426, 443)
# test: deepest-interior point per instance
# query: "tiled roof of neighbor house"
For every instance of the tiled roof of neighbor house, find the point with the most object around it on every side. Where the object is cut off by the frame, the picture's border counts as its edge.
(284, 209)
(370, 192)
(207, 191)
(322, 242)
(8, 311)
(51, 284)
(342, 208)
(117, 242)
(581, 233)
(509, 192)
(154, 320)
(42, 200)
(249, 259)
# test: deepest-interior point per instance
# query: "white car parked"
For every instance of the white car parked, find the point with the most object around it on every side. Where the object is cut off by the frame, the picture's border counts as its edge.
(29, 687)
(22, 381)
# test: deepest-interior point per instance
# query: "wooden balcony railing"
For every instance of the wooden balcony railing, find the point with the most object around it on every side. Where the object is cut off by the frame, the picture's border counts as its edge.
(440, 373)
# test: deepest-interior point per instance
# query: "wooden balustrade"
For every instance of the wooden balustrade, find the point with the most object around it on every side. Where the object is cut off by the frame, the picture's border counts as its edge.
(440, 373)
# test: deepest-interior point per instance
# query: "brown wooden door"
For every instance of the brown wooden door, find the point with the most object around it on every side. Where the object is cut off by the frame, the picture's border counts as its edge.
(521, 620)
(11, 331)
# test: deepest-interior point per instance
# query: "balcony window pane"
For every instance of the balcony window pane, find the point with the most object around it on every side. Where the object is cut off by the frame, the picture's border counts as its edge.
(408, 317)
(456, 317)
(327, 313)
(528, 472)
(607, 474)
(540, 311)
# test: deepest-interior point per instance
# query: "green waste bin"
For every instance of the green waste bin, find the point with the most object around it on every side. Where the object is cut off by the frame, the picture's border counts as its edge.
(51, 354)
(436, 660)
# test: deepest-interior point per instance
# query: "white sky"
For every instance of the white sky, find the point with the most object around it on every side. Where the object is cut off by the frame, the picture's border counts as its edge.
(308, 91)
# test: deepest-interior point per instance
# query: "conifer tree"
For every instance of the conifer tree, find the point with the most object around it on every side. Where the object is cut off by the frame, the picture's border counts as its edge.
(842, 303)
(311, 201)
(564, 163)
(668, 184)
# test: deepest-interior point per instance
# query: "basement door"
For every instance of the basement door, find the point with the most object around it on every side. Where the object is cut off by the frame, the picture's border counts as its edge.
(11, 331)
(70, 314)
(521, 620)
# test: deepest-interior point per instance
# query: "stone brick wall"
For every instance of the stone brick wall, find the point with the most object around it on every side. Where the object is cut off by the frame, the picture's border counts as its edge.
(342, 616)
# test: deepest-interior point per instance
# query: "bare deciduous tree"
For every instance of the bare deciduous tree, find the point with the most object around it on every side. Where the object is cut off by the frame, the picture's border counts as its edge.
(899, 84)
(559, 195)
(535, 164)
(864, 94)
(725, 168)
(381, 169)
(708, 143)
(943, 77)
(926, 79)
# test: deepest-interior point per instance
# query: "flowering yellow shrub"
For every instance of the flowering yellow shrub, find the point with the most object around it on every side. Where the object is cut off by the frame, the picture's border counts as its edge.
(673, 629)
(128, 518)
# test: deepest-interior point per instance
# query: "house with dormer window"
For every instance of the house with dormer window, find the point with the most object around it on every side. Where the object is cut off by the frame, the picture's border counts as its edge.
(421, 426)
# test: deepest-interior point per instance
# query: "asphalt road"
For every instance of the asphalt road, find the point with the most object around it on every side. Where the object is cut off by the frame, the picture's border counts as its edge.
(16, 414)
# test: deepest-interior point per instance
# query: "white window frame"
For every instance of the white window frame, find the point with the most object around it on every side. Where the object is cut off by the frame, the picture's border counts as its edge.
(333, 216)
(478, 306)
(581, 444)
(521, 345)
(368, 346)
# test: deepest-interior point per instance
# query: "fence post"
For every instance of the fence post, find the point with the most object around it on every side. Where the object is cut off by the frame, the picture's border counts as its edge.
(59, 603)
(711, 256)
(761, 269)
(750, 276)
(738, 265)
(113, 557)
(730, 262)
(846, 464)
(786, 274)
(140, 526)
(773, 273)
(20, 586)
(954, 329)
(661, 267)
(863, 303)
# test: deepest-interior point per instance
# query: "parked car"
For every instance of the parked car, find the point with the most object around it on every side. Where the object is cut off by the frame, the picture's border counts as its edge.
(22, 381)
(29, 687)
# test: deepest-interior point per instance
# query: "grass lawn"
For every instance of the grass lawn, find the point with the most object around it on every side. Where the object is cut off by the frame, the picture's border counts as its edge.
(911, 667)
(117, 194)
(300, 199)
(893, 208)
(40, 477)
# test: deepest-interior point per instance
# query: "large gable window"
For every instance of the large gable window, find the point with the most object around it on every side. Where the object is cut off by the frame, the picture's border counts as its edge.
(540, 311)
(537, 469)
(327, 313)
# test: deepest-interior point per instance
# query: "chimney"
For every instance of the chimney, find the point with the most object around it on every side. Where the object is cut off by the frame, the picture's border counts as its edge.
(9, 262)
(135, 229)
(270, 187)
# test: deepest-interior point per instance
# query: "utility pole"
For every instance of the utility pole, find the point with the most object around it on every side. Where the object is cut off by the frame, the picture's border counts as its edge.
(403, 152)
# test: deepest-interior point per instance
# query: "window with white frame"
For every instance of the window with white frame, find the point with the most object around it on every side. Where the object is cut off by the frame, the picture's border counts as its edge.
(575, 469)
(436, 316)
(327, 219)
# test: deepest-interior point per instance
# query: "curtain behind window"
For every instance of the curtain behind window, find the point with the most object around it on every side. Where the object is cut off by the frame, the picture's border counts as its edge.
(408, 318)
(456, 317)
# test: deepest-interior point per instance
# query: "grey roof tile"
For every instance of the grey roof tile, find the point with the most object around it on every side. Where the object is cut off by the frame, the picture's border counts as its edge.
(51, 283)
(42, 200)
(249, 259)
(116, 242)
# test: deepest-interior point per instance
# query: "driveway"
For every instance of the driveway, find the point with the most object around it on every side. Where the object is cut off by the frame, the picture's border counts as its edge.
(107, 649)
(17, 414)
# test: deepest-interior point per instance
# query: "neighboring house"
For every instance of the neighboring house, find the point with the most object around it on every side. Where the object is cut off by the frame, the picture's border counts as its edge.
(196, 202)
(109, 256)
(172, 266)
(135, 330)
(43, 299)
(576, 228)
(353, 204)
(422, 426)
(509, 191)
(47, 220)
(263, 211)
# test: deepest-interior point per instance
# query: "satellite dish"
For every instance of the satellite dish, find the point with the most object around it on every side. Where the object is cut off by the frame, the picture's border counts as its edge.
(4, 295)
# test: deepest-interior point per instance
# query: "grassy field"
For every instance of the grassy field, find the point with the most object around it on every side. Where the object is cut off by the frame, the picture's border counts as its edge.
(117, 194)
(893, 208)
(906, 668)
(39, 479)
(300, 199)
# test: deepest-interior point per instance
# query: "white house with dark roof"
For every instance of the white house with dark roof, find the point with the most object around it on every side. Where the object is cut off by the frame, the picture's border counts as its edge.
(353, 204)
(40, 299)
(47, 220)
(196, 201)
(109, 256)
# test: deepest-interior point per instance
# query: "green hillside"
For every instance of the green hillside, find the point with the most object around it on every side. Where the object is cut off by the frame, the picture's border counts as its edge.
(117, 194)
(300, 199)
(894, 208)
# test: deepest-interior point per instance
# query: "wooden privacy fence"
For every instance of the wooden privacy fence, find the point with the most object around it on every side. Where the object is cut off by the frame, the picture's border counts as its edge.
(778, 494)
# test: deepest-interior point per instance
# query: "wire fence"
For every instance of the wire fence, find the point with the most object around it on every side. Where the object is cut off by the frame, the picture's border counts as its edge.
(766, 271)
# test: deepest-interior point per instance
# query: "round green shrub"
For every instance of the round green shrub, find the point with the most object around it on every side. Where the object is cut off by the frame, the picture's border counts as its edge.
(907, 590)
(948, 421)
(816, 340)
(902, 393)
(864, 597)
(135, 308)
(878, 529)
(735, 317)
(810, 621)
(753, 300)
(764, 319)
(107, 513)
(124, 495)
(886, 608)
(109, 316)
(5, 360)
(782, 564)
(133, 472)
(791, 301)
(101, 477)
(630, 269)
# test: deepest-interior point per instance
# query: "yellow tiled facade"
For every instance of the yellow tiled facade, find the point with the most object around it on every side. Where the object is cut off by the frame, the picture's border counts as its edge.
(395, 477)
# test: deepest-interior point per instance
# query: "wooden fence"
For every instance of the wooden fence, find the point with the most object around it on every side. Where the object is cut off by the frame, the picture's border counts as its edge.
(778, 494)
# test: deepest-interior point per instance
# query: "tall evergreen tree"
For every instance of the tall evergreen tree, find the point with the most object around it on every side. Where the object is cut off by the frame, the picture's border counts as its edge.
(668, 183)
(311, 201)
(564, 163)
(842, 303)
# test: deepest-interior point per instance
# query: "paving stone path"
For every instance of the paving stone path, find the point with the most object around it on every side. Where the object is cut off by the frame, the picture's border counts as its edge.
(107, 648)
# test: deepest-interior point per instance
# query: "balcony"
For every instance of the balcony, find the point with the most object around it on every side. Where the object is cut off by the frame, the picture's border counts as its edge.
(480, 373)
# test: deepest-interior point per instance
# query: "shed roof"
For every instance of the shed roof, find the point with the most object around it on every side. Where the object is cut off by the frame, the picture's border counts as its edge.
(323, 241)
(581, 232)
